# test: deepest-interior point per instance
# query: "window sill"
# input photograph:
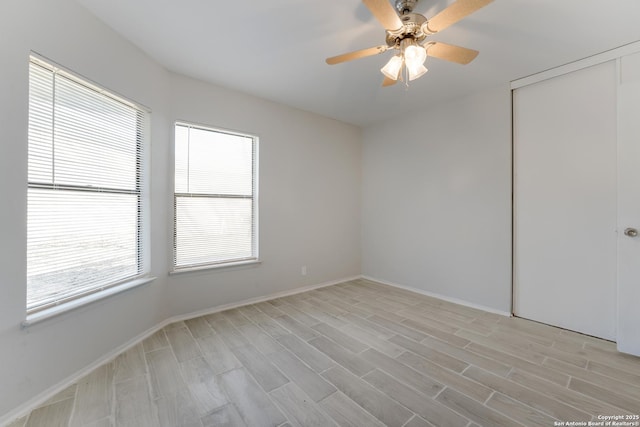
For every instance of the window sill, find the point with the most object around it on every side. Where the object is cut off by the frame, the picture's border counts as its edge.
(48, 313)
(216, 266)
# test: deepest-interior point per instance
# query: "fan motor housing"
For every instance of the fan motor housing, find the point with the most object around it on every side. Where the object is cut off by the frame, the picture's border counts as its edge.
(413, 24)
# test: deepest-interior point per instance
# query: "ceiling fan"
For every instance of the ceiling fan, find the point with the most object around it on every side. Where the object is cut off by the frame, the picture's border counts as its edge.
(407, 32)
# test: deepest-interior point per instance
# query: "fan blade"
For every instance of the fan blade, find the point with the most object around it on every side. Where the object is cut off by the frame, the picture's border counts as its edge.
(450, 52)
(384, 13)
(454, 13)
(388, 82)
(357, 54)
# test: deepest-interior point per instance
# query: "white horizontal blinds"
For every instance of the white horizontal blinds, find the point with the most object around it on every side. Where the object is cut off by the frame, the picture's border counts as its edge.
(214, 197)
(84, 205)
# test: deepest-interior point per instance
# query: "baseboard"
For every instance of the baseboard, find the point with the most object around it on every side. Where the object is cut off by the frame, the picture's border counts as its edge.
(440, 296)
(41, 398)
(258, 300)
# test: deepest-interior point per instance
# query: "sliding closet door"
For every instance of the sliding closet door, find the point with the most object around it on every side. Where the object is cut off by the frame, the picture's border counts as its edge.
(565, 201)
(628, 333)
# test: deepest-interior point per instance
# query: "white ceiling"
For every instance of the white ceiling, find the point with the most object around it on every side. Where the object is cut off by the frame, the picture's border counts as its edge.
(275, 49)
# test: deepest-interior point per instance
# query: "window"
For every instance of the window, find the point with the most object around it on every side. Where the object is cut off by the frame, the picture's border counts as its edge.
(84, 188)
(215, 197)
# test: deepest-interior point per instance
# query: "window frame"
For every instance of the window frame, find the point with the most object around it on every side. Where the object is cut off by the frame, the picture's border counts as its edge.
(254, 258)
(65, 300)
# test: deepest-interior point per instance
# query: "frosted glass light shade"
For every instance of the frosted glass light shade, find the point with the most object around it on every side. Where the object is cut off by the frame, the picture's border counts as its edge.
(414, 56)
(393, 67)
(415, 72)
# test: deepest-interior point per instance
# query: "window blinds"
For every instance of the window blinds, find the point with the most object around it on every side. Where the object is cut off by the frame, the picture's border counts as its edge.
(84, 182)
(215, 204)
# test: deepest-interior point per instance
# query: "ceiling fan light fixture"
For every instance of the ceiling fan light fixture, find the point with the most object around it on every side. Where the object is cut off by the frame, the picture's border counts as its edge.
(414, 55)
(393, 67)
(415, 72)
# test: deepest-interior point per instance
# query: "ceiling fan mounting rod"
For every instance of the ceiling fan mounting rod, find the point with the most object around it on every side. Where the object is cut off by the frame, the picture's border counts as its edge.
(413, 26)
(405, 6)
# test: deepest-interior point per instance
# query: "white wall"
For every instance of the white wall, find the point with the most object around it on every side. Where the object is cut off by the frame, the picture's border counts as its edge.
(310, 209)
(309, 190)
(437, 200)
(36, 358)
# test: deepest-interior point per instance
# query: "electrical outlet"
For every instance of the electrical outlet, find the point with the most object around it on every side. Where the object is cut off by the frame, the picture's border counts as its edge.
(303, 270)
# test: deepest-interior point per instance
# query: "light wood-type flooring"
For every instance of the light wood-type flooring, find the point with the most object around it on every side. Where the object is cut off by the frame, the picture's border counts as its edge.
(354, 354)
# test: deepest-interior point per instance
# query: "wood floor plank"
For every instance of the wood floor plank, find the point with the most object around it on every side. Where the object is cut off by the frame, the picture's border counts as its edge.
(231, 336)
(106, 422)
(178, 409)
(250, 312)
(201, 381)
(398, 328)
(403, 373)
(452, 320)
(218, 354)
(613, 358)
(419, 318)
(260, 339)
(358, 353)
(156, 341)
(236, 317)
(20, 422)
(446, 334)
(133, 402)
(535, 348)
(270, 326)
(342, 356)
(516, 362)
(445, 377)
(327, 307)
(94, 396)
(67, 393)
(507, 347)
(370, 327)
(252, 403)
(301, 330)
(615, 373)
(340, 338)
(473, 410)
(342, 294)
(199, 327)
(535, 399)
(315, 359)
(320, 315)
(226, 416)
(307, 379)
(416, 421)
(269, 310)
(346, 413)
(299, 408)
(631, 390)
(54, 415)
(467, 356)
(179, 324)
(129, 364)
(369, 398)
(616, 399)
(421, 404)
(368, 310)
(563, 394)
(354, 307)
(164, 373)
(519, 411)
(265, 373)
(373, 341)
(299, 315)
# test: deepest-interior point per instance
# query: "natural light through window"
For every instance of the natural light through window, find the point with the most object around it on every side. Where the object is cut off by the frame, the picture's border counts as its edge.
(84, 188)
(215, 197)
